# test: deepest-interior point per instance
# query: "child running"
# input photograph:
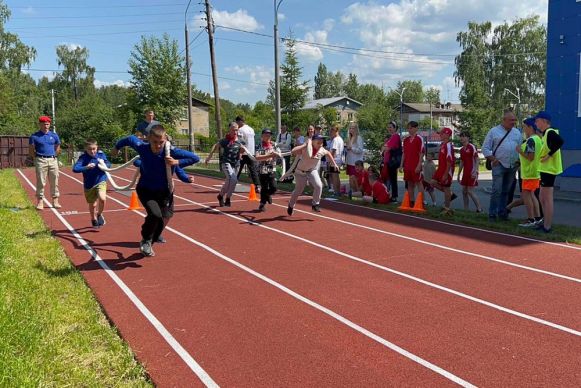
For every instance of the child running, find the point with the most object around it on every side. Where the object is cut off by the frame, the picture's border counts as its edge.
(530, 159)
(266, 157)
(310, 154)
(94, 180)
(230, 149)
(153, 188)
(468, 165)
(412, 158)
(442, 179)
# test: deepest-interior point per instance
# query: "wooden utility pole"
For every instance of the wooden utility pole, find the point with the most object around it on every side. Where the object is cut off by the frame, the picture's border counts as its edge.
(214, 73)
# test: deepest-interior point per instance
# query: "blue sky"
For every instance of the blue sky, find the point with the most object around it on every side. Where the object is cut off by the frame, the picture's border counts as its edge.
(402, 39)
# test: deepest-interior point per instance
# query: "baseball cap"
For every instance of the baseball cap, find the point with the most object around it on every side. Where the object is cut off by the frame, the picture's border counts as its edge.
(44, 119)
(266, 131)
(543, 115)
(317, 137)
(530, 121)
(446, 131)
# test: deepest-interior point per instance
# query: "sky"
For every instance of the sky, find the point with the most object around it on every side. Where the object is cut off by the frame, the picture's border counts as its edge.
(382, 42)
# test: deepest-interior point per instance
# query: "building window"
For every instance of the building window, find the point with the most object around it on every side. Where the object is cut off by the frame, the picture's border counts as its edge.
(184, 115)
(338, 117)
(350, 116)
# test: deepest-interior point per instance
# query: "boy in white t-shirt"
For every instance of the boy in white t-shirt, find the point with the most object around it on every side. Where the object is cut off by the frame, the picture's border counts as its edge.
(336, 147)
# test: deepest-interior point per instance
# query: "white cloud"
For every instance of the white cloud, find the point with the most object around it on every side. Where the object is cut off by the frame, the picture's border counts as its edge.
(239, 19)
(99, 84)
(281, 17)
(257, 74)
(49, 75)
(29, 11)
(311, 52)
(71, 46)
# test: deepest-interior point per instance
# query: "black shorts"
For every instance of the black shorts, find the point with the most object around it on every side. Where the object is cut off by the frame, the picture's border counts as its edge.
(547, 180)
(332, 170)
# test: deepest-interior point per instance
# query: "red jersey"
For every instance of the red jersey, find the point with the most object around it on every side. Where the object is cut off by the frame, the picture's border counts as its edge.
(445, 156)
(380, 193)
(413, 148)
(469, 157)
(363, 181)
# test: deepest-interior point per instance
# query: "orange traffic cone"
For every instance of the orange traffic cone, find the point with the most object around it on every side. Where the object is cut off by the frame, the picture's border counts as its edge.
(405, 205)
(419, 205)
(134, 203)
(252, 194)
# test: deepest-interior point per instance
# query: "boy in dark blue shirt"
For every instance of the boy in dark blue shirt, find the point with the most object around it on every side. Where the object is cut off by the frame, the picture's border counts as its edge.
(153, 188)
(94, 180)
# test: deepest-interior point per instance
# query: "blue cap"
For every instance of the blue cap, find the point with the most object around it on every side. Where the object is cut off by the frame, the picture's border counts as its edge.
(530, 121)
(543, 115)
(317, 137)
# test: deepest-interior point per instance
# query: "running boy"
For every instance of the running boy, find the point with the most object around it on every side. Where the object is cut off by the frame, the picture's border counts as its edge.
(153, 188)
(442, 179)
(266, 157)
(94, 180)
(310, 154)
(469, 165)
(411, 163)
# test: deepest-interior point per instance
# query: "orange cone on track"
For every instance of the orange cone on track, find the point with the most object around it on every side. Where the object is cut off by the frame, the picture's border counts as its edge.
(134, 203)
(252, 194)
(405, 205)
(419, 205)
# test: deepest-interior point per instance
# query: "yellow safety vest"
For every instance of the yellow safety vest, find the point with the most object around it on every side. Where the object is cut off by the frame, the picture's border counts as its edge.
(553, 165)
(529, 169)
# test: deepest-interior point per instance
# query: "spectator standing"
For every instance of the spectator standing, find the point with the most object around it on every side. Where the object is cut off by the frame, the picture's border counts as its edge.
(550, 166)
(499, 149)
(298, 139)
(444, 175)
(44, 148)
(354, 153)
(529, 154)
(144, 126)
(392, 154)
(336, 147)
(323, 163)
(246, 134)
(412, 160)
(469, 165)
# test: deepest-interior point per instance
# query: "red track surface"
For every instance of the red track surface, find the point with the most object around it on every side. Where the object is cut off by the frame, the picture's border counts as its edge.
(454, 300)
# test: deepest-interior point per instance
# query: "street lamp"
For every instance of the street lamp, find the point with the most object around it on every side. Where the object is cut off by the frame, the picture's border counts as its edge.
(517, 95)
(400, 94)
(276, 66)
(188, 77)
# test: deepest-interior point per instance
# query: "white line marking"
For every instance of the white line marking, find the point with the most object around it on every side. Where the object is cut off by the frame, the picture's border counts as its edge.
(325, 310)
(173, 343)
(444, 247)
(575, 247)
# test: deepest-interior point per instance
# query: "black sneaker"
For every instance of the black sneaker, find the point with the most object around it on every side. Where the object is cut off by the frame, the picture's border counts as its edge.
(95, 224)
(289, 210)
(220, 200)
(227, 202)
(453, 197)
(262, 207)
(101, 220)
(145, 248)
(161, 240)
(270, 199)
(316, 208)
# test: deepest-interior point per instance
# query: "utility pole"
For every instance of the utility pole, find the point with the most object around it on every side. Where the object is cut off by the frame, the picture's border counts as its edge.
(53, 112)
(400, 94)
(277, 66)
(517, 95)
(189, 80)
(213, 62)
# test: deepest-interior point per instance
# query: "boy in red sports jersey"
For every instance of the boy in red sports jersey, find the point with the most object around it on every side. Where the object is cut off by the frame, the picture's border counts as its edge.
(379, 192)
(363, 185)
(411, 162)
(442, 179)
(468, 165)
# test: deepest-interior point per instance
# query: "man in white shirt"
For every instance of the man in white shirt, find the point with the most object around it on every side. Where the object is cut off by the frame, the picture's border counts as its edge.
(283, 141)
(336, 147)
(246, 133)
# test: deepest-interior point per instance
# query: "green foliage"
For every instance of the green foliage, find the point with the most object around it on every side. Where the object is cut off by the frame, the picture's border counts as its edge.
(351, 87)
(373, 118)
(432, 95)
(158, 77)
(13, 53)
(77, 74)
(414, 91)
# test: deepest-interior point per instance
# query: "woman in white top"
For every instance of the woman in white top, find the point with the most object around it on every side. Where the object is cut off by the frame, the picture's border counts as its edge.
(354, 153)
(310, 154)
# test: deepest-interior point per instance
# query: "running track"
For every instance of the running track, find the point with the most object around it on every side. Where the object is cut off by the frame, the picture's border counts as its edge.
(348, 297)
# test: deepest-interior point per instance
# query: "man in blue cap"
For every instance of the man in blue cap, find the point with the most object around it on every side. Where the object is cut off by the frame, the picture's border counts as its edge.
(550, 166)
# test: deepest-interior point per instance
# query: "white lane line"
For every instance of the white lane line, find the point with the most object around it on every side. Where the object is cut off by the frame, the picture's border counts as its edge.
(402, 274)
(440, 246)
(172, 342)
(426, 219)
(323, 309)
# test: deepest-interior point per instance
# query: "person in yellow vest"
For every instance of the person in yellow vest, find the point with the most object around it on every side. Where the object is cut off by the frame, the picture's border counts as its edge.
(550, 166)
(529, 154)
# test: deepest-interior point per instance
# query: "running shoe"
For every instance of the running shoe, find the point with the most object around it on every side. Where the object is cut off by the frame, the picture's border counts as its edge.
(95, 224)
(262, 207)
(289, 210)
(317, 208)
(145, 248)
(40, 205)
(540, 221)
(528, 224)
(270, 199)
(161, 240)
(227, 202)
(220, 200)
(101, 220)
(453, 197)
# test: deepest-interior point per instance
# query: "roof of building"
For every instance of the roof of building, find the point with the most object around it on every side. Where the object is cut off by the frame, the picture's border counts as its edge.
(313, 104)
(441, 108)
(198, 102)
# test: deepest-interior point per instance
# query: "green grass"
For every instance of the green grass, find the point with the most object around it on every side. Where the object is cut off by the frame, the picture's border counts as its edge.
(561, 233)
(52, 330)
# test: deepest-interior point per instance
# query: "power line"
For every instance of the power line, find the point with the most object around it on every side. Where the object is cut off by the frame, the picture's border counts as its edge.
(87, 25)
(193, 40)
(96, 16)
(98, 34)
(100, 6)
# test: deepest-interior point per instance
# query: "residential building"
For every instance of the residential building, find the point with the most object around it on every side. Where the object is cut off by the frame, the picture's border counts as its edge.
(346, 107)
(443, 115)
(200, 119)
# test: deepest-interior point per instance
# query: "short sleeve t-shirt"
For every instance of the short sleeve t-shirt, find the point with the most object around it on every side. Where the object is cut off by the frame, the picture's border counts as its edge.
(230, 152)
(363, 181)
(445, 155)
(468, 154)
(44, 143)
(265, 166)
(413, 148)
(380, 193)
(338, 146)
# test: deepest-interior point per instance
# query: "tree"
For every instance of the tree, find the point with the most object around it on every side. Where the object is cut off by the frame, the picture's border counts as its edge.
(432, 96)
(158, 80)
(13, 53)
(414, 91)
(351, 87)
(76, 70)
(293, 91)
(321, 82)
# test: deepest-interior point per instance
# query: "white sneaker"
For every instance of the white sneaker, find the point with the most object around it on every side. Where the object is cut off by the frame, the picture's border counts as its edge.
(528, 224)
(40, 205)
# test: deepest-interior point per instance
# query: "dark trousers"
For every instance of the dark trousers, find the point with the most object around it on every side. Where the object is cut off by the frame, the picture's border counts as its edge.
(159, 207)
(393, 181)
(246, 161)
(267, 187)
